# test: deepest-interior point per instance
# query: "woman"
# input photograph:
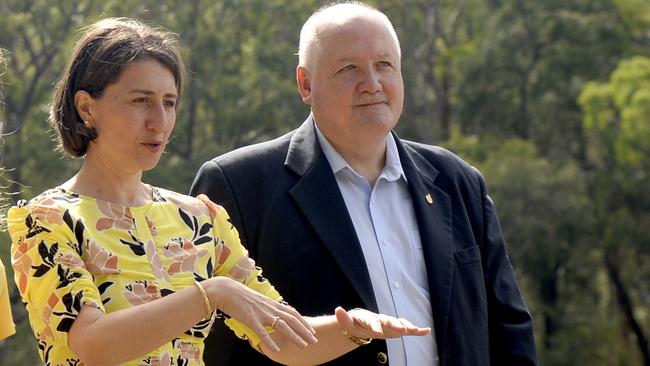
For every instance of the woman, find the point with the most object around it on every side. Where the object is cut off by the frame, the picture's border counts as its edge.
(7, 327)
(116, 271)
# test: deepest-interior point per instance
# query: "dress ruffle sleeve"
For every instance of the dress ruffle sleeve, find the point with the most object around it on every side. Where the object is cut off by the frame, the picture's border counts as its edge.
(233, 262)
(48, 269)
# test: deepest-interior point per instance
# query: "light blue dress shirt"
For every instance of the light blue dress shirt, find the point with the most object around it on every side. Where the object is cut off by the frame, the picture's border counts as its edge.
(387, 229)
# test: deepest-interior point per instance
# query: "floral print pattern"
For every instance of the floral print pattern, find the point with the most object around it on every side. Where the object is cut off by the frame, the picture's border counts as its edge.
(70, 250)
(184, 254)
(115, 216)
(141, 292)
(100, 261)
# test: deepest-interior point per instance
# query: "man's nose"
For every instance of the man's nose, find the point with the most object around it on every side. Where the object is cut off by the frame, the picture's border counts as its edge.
(371, 82)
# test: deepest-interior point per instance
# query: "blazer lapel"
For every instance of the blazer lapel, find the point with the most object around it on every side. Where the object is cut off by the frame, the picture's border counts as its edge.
(318, 196)
(434, 212)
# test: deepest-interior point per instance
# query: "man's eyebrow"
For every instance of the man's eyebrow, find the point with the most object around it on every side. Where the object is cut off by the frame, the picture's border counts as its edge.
(353, 59)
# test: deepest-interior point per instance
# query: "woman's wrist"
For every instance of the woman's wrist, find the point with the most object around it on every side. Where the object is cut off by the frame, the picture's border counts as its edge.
(206, 300)
(215, 288)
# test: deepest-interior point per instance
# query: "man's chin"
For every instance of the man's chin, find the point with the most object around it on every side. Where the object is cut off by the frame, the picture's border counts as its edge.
(377, 119)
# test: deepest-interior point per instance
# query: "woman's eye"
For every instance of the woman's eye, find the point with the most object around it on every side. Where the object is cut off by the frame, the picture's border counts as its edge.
(170, 103)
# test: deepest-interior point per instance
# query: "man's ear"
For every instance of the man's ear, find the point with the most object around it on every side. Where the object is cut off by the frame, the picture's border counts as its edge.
(83, 103)
(304, 83)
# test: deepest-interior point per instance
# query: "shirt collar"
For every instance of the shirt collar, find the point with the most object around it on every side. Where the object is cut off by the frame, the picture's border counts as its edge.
(392, 170)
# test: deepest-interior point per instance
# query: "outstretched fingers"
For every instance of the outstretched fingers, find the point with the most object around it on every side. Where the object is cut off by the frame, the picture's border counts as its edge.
(399, 327)
(366, 324)
(413, 329)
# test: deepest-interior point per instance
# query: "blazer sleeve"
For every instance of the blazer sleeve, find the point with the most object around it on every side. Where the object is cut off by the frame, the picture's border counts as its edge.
(510, 323)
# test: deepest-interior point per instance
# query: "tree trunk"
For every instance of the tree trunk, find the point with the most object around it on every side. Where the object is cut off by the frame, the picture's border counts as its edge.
(549, 295)
(625, 305)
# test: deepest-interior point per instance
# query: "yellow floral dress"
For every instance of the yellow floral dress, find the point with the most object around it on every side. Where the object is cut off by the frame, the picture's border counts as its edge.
(69, 250)
(7, 327)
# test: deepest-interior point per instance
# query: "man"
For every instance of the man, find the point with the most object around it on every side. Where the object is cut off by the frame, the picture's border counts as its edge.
(343, 212)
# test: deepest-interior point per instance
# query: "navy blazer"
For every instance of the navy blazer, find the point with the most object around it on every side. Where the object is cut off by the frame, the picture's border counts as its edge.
(284, 200)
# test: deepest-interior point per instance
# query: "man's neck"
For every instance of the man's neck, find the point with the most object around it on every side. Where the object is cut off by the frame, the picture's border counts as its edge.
(367, 158)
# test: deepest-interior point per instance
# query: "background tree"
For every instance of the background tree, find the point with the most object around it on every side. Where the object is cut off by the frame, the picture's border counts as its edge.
(617, 118)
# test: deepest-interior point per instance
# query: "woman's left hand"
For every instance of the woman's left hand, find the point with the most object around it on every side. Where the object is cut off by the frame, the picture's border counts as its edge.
(366, 324)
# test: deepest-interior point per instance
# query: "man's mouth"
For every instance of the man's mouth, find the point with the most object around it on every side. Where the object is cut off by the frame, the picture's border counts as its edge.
(366, 102)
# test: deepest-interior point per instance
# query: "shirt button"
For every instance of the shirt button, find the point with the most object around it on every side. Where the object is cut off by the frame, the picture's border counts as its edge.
(382, 358)
(396, 284)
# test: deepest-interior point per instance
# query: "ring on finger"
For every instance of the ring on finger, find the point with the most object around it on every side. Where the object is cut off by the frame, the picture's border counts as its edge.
(275, 321)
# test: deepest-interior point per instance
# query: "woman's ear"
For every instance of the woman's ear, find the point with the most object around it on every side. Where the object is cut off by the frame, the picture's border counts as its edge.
(83, 103)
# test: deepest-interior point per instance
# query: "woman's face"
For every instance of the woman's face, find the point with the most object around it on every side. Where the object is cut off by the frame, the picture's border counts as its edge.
(134, 118)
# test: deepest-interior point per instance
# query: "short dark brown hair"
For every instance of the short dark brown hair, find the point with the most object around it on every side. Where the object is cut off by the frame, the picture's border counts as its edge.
(105, 49)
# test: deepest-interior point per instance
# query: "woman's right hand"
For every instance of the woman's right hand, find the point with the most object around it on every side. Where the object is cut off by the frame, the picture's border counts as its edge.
(258, 312)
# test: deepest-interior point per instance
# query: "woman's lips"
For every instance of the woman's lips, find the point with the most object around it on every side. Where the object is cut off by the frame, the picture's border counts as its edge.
(154, 147)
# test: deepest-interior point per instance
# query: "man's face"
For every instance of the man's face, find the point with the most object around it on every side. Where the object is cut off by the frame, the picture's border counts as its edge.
(354, 82)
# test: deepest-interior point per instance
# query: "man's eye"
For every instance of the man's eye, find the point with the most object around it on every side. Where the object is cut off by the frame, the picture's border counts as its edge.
(347, 68)
(140, 101)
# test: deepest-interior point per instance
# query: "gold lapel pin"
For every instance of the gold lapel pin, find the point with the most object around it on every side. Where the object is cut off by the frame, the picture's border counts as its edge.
(429, 198)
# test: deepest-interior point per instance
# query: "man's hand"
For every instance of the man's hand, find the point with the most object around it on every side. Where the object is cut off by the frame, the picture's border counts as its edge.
(366, 324)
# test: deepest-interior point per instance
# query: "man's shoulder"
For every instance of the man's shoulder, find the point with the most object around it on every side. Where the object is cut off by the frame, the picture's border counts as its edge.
(452, 174)
(440, 158)
(259, 153)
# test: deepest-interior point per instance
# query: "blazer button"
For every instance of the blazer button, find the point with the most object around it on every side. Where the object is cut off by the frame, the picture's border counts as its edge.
(382, 358)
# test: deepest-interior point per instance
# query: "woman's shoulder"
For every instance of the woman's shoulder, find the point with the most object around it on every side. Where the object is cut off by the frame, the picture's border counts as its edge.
(48, 207)
(54, 199)
(199, 205)
(190, 204)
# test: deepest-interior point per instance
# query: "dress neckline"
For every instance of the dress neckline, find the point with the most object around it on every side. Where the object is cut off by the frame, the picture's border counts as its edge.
(156, 196)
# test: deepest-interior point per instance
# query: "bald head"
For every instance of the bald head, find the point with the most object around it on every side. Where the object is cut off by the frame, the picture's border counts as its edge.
(338, 14)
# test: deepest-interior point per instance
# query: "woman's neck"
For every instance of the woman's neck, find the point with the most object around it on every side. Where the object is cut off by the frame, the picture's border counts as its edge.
(107, 185)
